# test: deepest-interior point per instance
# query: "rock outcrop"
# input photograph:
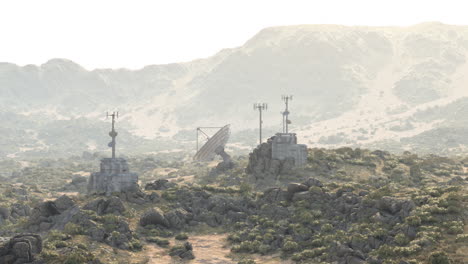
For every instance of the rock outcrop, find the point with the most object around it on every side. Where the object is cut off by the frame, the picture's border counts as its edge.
(21, 249)
(262, 165)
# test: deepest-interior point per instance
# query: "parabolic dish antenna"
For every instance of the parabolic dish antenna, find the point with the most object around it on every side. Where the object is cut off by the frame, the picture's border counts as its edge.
(208, 151)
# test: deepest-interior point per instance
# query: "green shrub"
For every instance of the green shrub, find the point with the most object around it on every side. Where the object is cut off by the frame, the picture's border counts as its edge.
(401, 239)
(308, 254)
(82, 246)
(413, 220)
(235, 238)
(247, 261)
(56, 235)
(73, 229)
(463, 238)
(385, 251)
(181, 236)
(49, 255)
(264, 249)
(268, 238)
(439, 258)
(61, 244)
(290, 247)
(406, 251)
(78, 257)
(326, 228)
(135, 245)
(454, 227)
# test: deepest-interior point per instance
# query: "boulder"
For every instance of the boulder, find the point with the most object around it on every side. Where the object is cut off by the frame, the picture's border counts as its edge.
(178, 218)
(313, 182)
(274, 195)
(20, 210)
(135, 196)
(297, 187)
(4, 213)
(63, 203)
(154, 216)
(101, 206)
(43, 211)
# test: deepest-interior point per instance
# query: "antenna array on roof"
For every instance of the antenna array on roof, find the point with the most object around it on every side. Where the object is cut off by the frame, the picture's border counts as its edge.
(286, 121)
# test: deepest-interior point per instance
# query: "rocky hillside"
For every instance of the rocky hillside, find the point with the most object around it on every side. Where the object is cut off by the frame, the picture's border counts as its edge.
(383, 87)
(345, 206)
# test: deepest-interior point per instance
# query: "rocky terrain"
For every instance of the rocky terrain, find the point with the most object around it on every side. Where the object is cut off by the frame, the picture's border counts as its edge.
(393, 88)
(345, 206)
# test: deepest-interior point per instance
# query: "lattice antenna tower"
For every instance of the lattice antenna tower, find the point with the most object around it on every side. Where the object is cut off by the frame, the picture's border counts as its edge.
(260, 107)
(113, 134)
(286, 121)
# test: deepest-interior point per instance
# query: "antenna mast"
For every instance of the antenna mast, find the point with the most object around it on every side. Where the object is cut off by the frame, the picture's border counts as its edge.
(260, 107)
(113, 134)
(286, 121)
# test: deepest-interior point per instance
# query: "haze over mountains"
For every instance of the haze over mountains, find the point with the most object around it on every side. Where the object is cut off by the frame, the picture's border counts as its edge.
(391, 88)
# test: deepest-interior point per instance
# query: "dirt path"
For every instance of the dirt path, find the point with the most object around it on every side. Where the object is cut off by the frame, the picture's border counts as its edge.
(208, 249)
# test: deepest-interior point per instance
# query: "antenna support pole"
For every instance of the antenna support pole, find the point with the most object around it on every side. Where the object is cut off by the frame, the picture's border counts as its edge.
(260, 107)
(113, 134)
(286, 122)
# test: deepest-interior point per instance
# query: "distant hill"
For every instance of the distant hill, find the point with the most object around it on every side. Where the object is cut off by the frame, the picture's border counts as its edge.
(393, 88)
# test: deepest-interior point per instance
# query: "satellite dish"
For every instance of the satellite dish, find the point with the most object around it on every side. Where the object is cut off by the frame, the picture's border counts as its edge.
(214, 145)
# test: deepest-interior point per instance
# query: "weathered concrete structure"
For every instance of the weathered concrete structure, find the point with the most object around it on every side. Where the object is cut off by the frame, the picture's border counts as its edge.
(114, 175)
(284, 146)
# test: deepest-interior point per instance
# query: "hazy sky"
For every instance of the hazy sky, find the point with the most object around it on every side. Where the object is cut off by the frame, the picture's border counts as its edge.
(134, 33)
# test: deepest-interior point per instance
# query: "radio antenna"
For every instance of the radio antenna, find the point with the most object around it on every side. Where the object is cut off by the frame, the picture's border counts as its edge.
(260, 107)
(286, 121)
(113, 134)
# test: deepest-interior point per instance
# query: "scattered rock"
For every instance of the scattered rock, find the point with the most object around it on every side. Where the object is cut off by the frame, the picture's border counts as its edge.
(394, 206)
(161, 184)
(184, 251)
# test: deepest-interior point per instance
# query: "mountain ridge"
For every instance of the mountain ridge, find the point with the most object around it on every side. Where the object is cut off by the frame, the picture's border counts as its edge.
(354, 86)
